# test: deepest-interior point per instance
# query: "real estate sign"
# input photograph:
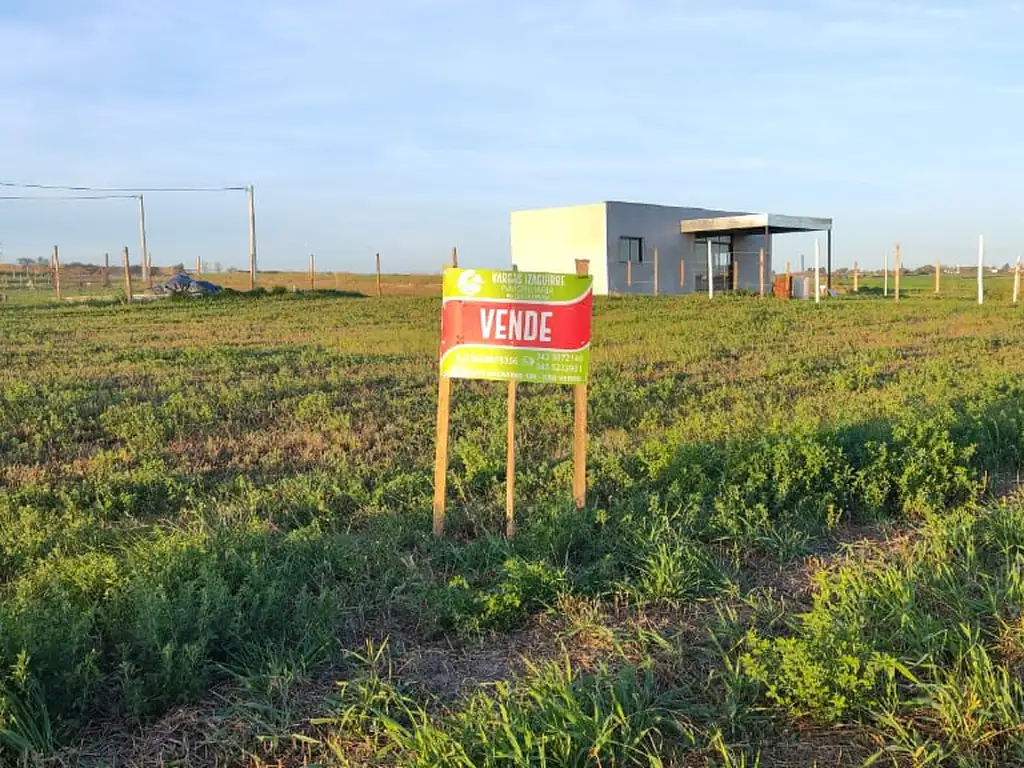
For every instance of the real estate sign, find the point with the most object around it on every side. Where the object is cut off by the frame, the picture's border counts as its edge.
(518, 326)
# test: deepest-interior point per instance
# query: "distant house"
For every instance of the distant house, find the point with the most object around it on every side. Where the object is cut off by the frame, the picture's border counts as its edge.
(693, 245)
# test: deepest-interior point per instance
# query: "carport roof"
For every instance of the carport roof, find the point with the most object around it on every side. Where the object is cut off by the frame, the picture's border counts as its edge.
(755, 222)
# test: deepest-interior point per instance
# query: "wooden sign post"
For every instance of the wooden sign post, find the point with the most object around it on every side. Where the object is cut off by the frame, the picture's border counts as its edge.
(539, 325)
(579, 443)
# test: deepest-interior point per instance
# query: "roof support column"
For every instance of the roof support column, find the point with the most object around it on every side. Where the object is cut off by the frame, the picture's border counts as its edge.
(767, 254)
(829, 261)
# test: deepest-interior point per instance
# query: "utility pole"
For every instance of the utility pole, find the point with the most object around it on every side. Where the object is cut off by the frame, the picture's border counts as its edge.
(142, 237)
(252, 238)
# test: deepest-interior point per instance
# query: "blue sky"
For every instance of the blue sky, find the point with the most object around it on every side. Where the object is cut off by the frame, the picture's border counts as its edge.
(409, 126)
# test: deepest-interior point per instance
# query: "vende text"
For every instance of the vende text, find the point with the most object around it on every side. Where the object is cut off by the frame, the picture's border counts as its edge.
(516, 325)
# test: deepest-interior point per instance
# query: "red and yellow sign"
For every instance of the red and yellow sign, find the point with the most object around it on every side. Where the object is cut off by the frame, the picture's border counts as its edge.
(519, 326)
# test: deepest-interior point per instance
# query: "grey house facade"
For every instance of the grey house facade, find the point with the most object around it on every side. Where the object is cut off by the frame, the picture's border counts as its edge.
(694, 246)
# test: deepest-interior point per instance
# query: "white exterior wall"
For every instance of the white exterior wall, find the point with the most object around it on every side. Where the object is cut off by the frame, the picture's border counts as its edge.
(658, 225)
(551, 239)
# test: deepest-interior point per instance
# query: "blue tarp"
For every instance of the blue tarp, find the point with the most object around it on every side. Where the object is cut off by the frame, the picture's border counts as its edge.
(182, 283)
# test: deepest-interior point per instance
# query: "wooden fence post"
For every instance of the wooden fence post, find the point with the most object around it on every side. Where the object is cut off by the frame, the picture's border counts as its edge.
(127, 275)
(760, 276)
(629, 273)
(682, 272)
(856, 278)
(896, 271)
(735, 275)
(655, 271)
(579, 443)
(938, 278)
(1016, 281)
(56, 271)
(817, 272)
(106, 270)
(312, 272)
(455, 256)
(379, 293)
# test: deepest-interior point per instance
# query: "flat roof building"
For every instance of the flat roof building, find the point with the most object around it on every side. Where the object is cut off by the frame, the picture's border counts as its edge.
(694, 245)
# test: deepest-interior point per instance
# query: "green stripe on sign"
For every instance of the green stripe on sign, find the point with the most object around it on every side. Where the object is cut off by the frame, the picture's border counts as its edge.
(513, 286)
(470, 361)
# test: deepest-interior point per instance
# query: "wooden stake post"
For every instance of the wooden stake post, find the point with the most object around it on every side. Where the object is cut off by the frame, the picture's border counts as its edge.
(655, 271)
(510, 464)
(938, 277)
(856, 275)
(56, 271)
(579, 443)
(106, 270)
(760, 277)
(682, 272)
(1016, 281)
(444, 394)
(579, 482)
(312, 272)
(896, 271)
(378, 276)
(127, 275)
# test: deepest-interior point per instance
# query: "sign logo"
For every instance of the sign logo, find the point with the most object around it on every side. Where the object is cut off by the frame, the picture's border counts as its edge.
(520, 326)
(470, 283)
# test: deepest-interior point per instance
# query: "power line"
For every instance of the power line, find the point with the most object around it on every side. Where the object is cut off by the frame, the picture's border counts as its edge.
(69, 197)
(69, 188)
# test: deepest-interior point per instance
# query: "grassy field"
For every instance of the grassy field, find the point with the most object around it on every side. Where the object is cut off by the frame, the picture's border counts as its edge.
(803, 543)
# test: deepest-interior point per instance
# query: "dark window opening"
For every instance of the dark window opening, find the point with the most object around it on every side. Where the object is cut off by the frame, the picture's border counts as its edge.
(631, 249)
